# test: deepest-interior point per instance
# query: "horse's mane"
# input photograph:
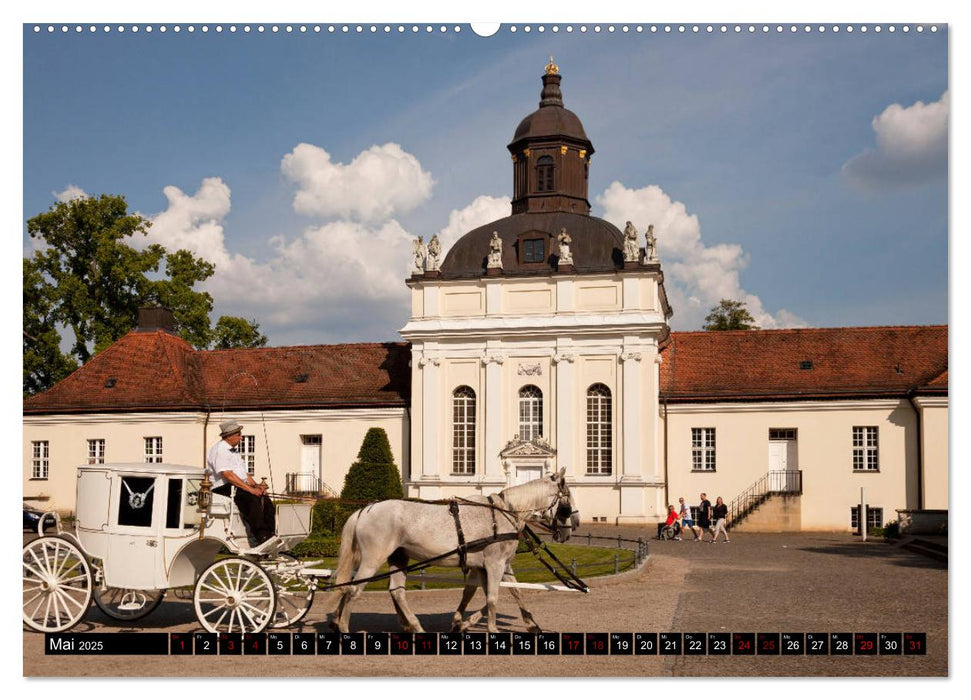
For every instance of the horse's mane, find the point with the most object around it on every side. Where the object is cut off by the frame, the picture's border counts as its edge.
(533, 495)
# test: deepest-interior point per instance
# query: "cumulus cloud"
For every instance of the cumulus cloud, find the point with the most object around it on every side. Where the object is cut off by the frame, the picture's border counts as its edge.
(911, 147)
(479, 212)
(379, 183)
(194, 222)
(69, 193)
(697, 276)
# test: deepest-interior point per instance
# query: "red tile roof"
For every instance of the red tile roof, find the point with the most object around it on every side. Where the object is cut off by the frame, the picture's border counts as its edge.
(156, 371)
(159, 371)
(846, 362)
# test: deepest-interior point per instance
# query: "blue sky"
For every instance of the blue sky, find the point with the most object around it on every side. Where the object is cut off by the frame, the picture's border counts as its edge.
(760, 152)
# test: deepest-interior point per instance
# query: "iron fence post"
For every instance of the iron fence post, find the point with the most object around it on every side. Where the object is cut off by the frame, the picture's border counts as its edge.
(421, 579)
(616, 564)
(573, 566)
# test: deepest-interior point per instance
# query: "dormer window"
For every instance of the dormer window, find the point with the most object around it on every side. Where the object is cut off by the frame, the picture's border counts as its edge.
(533, 250)
(544, 174)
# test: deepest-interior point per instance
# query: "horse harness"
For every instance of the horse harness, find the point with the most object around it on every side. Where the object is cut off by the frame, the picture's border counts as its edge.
(463, 549)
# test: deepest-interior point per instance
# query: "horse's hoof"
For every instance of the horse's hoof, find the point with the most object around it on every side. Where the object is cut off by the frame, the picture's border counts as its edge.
(534, 629)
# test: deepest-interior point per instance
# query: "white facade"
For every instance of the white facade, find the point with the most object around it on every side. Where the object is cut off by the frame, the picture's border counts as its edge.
(561, 334)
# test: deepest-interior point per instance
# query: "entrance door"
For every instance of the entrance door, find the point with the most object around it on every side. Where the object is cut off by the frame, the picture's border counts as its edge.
(527, 472)
(783, 459)
(310, 475)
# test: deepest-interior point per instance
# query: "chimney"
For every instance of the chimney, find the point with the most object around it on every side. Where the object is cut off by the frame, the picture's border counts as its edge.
(155, 318)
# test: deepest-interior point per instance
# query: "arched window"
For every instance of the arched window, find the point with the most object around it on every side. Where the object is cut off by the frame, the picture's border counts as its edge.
(544, 174)
(599, 430)
(463, 431)
(530, 412)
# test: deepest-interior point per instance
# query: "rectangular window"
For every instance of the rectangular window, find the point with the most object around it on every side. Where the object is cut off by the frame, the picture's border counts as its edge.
(153, 450)
(703, 449)
(865, 450)
(41, 459)
(533, 250)
(782, 433)
(247, 452)
(96, 451)
(874, 517)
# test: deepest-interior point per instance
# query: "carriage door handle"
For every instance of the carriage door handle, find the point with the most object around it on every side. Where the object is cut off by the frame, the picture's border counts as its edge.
(151, 543)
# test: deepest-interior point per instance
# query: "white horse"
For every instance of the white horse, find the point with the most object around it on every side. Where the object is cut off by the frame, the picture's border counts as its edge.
(397, 531)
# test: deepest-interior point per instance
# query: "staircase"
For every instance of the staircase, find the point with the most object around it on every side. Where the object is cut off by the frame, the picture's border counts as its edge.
(771, 504)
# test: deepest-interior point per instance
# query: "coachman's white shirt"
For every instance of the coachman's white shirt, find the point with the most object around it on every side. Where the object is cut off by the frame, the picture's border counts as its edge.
(221, 458)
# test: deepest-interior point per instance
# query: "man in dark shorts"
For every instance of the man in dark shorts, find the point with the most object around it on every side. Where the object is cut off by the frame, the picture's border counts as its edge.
(704, 516)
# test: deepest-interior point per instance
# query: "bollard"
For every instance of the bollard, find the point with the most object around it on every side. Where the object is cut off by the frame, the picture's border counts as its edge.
(588, 539)
(616, 563)
(618, 541)
(573, 566)
(421, 578)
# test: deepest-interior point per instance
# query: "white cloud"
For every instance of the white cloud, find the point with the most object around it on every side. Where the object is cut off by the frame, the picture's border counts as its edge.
(697, 276)
(194, 222)
(379, 183)
(911, 147)
(481, 211)
(69, 193)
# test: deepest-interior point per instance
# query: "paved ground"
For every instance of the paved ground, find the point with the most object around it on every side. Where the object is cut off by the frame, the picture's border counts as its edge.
(757, 583)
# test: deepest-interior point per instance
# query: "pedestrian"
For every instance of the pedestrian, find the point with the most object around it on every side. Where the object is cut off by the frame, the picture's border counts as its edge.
(670, 522)
(704, 517)
(687, 522)
(720, 514)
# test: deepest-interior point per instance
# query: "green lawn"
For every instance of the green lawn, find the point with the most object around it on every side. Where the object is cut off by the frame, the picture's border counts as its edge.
(591, 562)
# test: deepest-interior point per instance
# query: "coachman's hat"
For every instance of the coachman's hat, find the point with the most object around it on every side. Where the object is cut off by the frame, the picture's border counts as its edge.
(229, 427)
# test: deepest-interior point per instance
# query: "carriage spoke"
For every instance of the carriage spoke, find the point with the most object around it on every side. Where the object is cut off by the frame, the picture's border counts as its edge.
(217, 591)
(57, 610)
(36, 596)
(41, 566)
(249, 617)
(34, 571)
(33, 614)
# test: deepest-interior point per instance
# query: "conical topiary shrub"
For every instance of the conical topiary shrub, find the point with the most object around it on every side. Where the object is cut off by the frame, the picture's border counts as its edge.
(374, 476)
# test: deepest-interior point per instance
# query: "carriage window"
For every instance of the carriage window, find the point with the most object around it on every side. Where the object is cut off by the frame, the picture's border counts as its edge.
(137, 497)
(173, 506)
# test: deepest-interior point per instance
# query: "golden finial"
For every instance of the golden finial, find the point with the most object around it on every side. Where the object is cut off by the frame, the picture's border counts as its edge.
(552, 68)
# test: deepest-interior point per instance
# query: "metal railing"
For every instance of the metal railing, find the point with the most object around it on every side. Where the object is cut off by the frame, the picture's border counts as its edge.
(784, 481)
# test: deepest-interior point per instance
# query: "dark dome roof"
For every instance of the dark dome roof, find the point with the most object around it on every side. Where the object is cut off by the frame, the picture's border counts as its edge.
(550, 121)
(597, 245)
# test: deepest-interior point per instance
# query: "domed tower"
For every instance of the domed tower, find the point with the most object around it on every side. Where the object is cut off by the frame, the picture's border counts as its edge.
(535, 341)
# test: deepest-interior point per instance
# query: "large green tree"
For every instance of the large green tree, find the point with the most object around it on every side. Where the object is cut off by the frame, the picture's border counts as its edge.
(234, 332)
(730, 315)
(86, 280)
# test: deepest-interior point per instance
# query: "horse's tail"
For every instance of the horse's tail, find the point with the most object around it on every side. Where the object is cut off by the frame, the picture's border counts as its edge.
(350, 554)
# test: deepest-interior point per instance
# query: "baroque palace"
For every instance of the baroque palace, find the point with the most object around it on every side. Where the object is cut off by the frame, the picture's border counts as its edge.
(539, 341)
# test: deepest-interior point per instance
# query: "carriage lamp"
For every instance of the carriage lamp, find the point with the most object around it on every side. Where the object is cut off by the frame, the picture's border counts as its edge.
(205, 500)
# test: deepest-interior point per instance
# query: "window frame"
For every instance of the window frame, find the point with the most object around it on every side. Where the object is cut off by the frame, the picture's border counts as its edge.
(153, 449)
(871, 521)
(545, 174)
(865, 441)
(247, 452)
(599, 428)
(530, 412)
(40, 467)
(464, 416)
(96, 450)
(704, 450)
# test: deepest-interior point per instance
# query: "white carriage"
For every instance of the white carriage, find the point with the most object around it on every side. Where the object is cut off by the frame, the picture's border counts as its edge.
(143, 529)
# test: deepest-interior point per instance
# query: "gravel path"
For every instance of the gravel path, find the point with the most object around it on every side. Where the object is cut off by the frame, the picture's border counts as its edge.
(757, 583)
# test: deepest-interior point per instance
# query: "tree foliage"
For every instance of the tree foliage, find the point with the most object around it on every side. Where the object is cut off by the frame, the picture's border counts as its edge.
(87, 280)
(234, 332)
(374, 476)
(730, 315)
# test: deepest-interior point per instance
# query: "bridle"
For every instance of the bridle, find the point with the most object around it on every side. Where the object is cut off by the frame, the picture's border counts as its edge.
(561, 514)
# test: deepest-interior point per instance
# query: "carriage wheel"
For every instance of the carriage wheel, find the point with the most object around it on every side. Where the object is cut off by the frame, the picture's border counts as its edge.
(57, 584)
(234, 595)
(126, 603)
(294, 593)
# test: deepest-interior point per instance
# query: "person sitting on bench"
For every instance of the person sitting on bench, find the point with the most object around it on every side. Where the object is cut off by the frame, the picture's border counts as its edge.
(226, 469)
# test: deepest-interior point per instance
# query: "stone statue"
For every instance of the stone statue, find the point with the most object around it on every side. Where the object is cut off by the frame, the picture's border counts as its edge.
(433, 261)
(631, 251)
(420, 254)
(495, 251)
(566, 256)
(650, 247)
